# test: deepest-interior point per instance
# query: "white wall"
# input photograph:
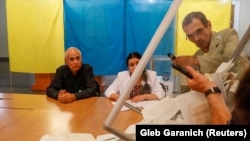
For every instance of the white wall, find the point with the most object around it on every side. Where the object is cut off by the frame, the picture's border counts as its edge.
(244, 18)
(3, 30)
(244, 21)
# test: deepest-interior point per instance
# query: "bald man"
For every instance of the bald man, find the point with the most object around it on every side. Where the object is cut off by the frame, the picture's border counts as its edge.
(74, 80)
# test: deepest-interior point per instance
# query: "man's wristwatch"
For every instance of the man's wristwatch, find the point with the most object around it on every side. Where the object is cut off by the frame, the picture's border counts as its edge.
(212, 90)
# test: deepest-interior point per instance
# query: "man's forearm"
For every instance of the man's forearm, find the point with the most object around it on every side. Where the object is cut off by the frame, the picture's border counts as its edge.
(220, 114)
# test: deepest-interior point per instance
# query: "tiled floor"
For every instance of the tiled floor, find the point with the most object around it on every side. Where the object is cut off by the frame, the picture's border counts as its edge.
(13, 82)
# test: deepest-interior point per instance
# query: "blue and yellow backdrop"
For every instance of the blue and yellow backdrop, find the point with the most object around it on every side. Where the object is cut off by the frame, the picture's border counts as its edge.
(106, 31)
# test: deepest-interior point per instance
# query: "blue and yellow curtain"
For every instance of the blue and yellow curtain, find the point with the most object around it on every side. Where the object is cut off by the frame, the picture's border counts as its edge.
(106, 31)
(35, 35)
(217, 11)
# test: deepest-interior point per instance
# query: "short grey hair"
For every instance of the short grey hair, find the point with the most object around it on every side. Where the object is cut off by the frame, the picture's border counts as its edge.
(195, 15)
(72, 48)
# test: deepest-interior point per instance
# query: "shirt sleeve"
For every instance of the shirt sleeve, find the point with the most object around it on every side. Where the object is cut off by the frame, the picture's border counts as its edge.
(221, 50)
(114, 86)
(55, 86)
(155, 85)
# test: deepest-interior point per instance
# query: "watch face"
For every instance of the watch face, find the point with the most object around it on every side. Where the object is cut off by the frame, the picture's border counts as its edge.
(217, 89)
(212, 90)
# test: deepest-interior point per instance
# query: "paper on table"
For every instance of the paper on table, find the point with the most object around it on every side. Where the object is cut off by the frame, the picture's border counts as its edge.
(69, 137)
(161, 111)
(124, 108)
(131, 128)
(141, 104)
(187, 108)
(51, 138)
(107, 137)
(194, 107)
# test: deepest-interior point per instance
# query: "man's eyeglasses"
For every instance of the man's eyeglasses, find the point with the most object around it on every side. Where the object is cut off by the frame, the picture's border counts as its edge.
(196, 33)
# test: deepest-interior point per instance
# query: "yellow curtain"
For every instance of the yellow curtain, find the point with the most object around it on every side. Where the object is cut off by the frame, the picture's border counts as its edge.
(35, 35)
(217, 11)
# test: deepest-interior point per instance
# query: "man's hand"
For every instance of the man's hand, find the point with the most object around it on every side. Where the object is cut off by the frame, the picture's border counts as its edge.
(138, 98)
(65, 97)
(114, 96)
(143, 97)
(199, 82)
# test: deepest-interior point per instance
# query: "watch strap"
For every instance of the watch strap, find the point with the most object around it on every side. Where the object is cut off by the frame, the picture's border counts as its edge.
(212, 90)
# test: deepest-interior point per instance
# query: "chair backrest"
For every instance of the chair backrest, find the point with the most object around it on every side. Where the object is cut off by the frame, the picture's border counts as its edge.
(98, 89)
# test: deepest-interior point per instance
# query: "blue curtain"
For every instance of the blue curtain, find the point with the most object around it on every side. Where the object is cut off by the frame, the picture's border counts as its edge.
(106, 31)
(142, 20)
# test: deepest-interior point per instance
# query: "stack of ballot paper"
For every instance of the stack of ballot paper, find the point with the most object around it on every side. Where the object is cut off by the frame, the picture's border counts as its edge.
(79, 137)
(187, 108)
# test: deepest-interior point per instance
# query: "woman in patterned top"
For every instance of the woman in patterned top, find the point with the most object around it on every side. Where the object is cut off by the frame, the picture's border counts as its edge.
(147, 86)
